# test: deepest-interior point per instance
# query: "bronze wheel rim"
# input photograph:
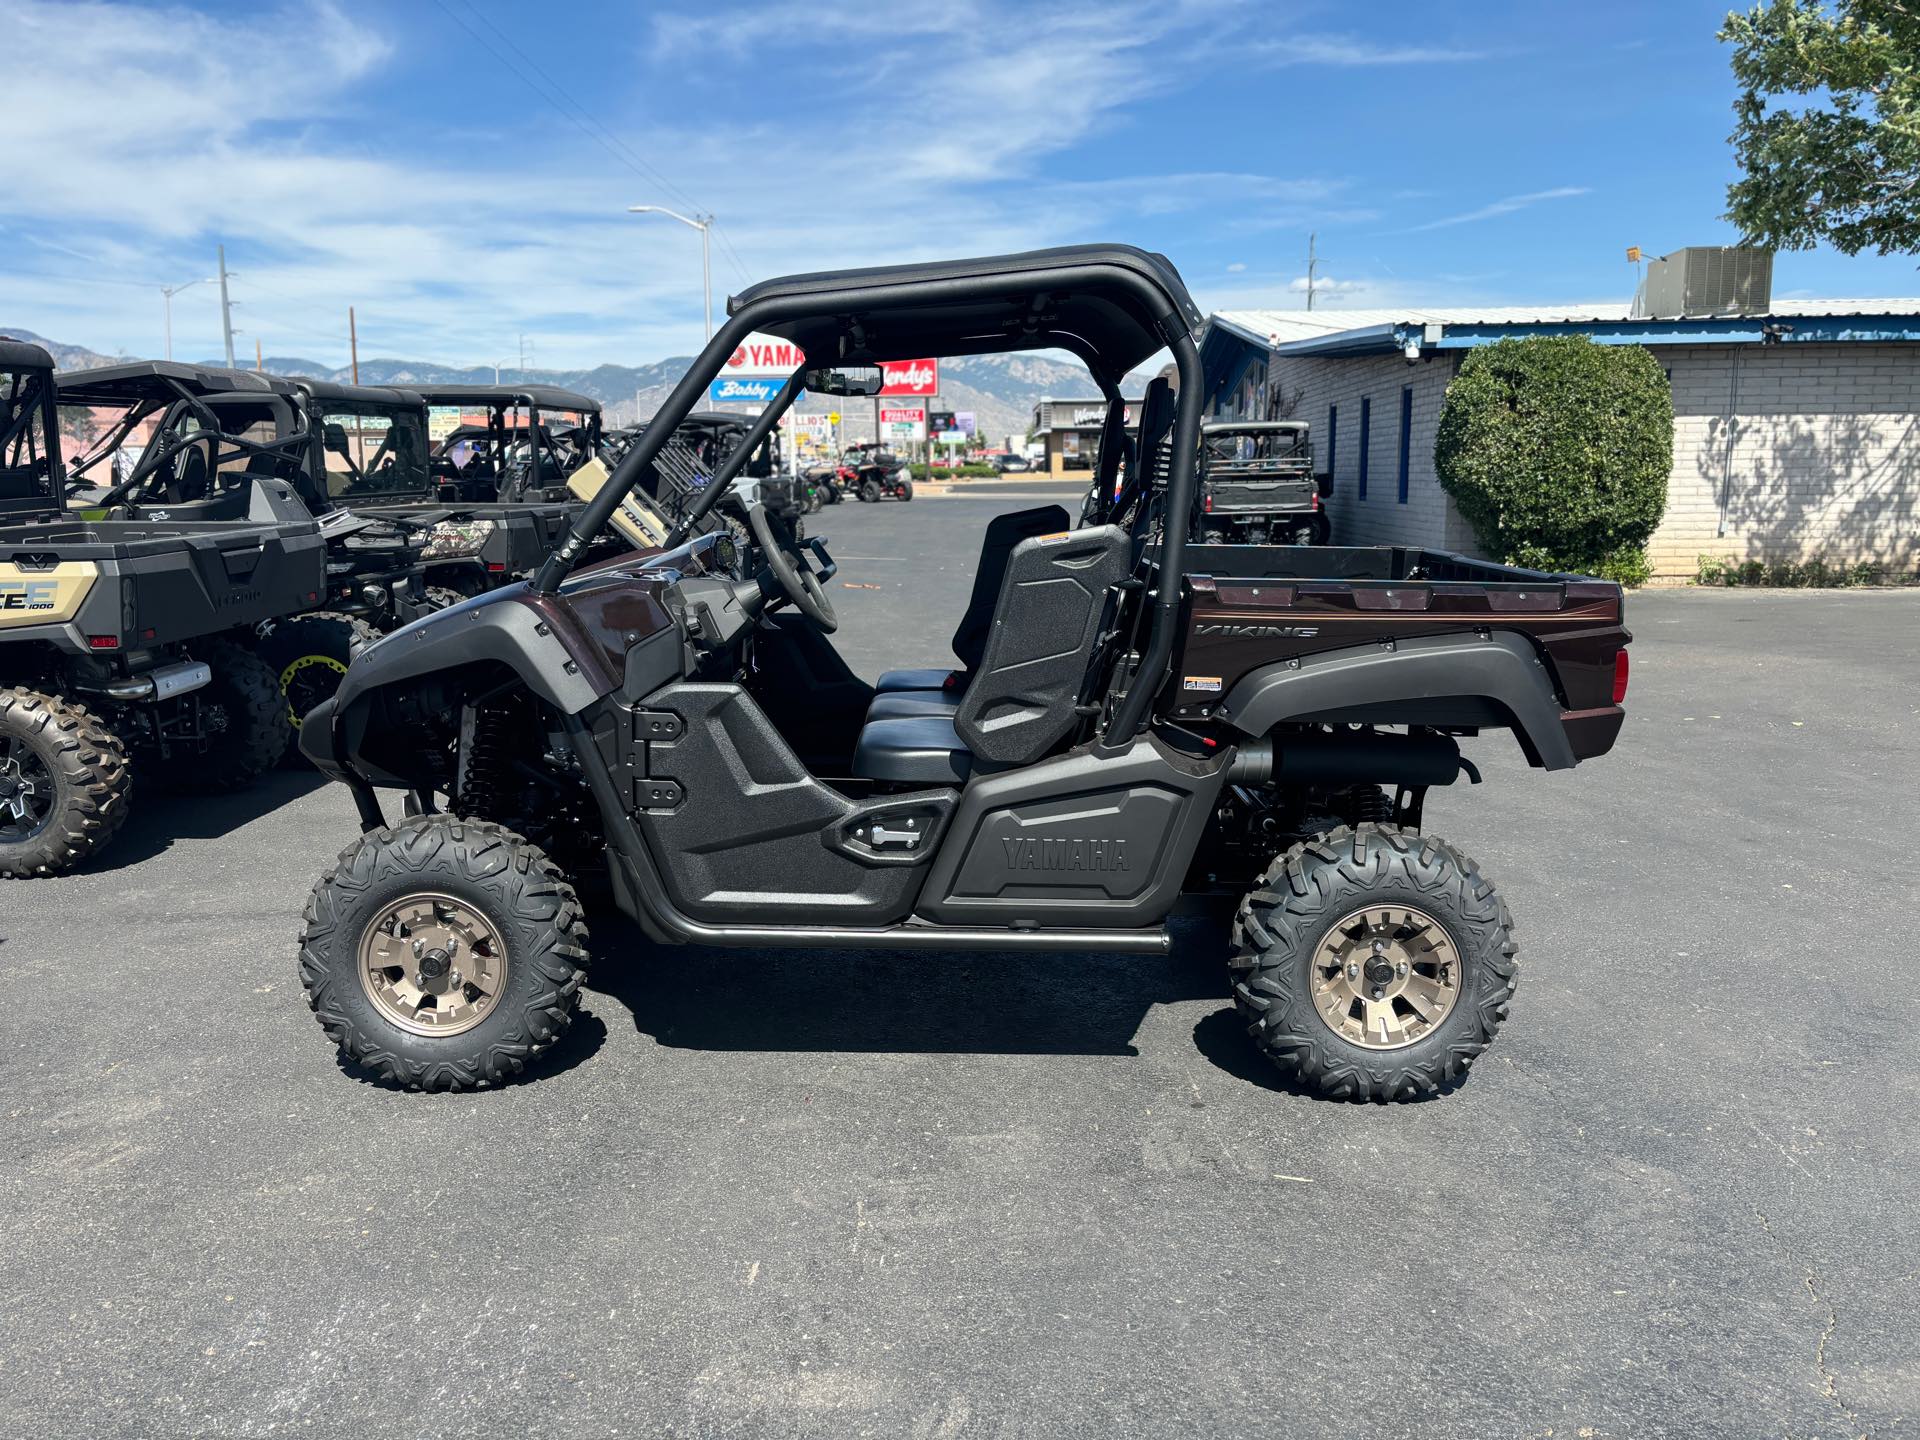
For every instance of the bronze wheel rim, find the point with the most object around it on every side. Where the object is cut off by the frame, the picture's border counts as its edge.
(432, 965)
(1385, 977)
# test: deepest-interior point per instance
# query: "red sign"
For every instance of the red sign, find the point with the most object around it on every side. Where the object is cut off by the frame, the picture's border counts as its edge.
(764, 355)
(910, 377)
(902, 415)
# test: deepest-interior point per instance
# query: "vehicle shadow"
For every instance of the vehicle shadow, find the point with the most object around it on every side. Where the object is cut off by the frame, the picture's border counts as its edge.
(899, 1001)
(163, 814)
(582, 1039)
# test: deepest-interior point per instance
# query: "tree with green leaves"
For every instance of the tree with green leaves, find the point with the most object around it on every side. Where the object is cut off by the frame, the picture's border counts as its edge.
(1828, 124)
(1558, 452)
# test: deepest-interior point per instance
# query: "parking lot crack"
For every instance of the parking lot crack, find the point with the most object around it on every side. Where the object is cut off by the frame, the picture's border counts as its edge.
(1810, 1281)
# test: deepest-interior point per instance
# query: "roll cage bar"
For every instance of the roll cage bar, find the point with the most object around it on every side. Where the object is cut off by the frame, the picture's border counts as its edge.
(1113, 306)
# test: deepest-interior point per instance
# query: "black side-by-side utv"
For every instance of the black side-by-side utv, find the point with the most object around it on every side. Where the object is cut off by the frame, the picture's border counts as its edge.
(1136, 719)
(130, 622)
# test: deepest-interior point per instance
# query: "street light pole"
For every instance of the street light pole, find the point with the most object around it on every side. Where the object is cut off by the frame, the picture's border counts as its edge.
(704, 224)
(226, 307)
(167, 292)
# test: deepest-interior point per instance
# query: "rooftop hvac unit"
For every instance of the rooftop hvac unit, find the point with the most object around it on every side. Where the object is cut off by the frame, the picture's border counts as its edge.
(1707, 280)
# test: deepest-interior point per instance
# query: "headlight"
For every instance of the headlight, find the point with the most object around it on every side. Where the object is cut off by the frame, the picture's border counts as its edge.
(457, 539)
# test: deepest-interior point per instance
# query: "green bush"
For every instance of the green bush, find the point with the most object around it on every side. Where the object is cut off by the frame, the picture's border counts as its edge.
(1558, 450)
(1783, 574)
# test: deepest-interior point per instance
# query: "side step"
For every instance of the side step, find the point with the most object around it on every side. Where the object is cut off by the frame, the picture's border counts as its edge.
(926, 937)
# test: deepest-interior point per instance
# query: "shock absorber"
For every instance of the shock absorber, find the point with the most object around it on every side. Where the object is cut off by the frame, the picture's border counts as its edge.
(481, 780)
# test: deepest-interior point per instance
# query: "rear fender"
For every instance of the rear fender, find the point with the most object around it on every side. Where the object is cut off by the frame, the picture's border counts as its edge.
(1493, 680)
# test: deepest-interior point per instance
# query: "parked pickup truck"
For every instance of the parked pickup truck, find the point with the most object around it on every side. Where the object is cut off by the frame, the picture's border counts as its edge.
(1257, 485)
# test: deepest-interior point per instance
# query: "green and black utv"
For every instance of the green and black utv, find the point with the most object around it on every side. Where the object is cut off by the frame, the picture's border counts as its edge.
(501, 480)
(129, 631)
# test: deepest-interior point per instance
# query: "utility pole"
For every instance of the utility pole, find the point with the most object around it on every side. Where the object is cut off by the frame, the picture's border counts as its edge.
(353, 342)
(1313, 263)
(226, 307)
(259, 362)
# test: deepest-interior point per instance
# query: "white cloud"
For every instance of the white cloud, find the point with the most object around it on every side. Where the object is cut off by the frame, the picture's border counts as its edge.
(1236, 267)
(1327, 285)
(143, 135)
(1507, 206)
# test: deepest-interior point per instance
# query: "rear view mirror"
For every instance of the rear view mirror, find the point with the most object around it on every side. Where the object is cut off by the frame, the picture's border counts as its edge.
(333, 436)
(863, 382)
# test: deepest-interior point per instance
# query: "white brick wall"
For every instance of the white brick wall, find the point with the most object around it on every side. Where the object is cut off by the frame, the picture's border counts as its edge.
(1816, 457)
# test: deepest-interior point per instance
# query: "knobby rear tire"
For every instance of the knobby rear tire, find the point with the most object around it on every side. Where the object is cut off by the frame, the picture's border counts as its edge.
(1282, 921)
(93, 782)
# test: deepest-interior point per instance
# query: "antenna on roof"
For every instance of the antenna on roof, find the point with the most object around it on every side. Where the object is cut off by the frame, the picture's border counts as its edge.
(1313, 263)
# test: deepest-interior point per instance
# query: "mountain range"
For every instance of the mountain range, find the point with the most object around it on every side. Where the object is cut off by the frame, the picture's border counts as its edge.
(1000, 390)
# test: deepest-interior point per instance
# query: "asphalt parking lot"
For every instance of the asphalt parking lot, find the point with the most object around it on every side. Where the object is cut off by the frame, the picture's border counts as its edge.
(838, 1194)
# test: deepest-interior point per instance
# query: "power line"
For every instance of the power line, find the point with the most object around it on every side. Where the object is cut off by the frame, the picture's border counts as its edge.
(555, 96)
(733, 256)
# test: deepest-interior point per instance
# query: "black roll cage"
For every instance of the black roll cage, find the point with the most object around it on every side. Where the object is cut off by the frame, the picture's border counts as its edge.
(854, 301)
(499, 400)
(31, 394)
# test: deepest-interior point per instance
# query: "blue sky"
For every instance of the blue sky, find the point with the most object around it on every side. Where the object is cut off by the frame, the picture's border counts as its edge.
(459, 169)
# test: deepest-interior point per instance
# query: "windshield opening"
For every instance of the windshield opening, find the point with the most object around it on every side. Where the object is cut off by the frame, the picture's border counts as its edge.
(374, 450)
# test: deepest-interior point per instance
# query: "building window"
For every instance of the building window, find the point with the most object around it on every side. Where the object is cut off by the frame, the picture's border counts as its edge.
(1406, 436)
(1333, 434)
(1366, 427)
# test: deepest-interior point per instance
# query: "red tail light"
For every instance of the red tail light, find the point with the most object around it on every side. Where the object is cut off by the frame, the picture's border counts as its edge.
(1619, 676)
(1207, 505)
(103, 642)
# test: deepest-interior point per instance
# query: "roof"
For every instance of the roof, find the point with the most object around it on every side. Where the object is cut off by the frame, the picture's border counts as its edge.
(1378, 331)
(130, 381)
(361, 394)
(19, 355)
(1104, 302)
(543, 397)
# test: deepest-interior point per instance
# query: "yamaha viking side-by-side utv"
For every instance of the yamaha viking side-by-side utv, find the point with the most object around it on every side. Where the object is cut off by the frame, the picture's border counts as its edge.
(1257, 485)
(1136, 719)
(129, 632)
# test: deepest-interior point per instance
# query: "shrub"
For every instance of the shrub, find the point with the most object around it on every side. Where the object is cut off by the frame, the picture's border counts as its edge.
(1816, 574)
(1558, 451)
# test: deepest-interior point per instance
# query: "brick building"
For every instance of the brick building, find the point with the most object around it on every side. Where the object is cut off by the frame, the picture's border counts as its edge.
(1796, 433)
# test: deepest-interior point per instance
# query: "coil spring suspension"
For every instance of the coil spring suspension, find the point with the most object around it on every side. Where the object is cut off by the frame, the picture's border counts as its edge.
(485, 789)
(1368, 803)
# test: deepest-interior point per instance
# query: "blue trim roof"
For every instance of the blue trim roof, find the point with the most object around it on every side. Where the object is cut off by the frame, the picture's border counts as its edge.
(1732, 330)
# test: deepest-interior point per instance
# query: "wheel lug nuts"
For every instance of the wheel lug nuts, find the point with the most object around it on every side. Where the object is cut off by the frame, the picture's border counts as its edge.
(1353, 970)
(1403, 967)
(1378, 993)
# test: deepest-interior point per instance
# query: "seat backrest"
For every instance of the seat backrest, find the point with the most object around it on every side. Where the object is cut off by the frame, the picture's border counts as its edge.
(190, 476)
(1150, 453)
(1053, 602)
(996, 548)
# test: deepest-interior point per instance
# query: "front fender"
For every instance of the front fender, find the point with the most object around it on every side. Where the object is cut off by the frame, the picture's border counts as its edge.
(497, 626)
(1496, 680)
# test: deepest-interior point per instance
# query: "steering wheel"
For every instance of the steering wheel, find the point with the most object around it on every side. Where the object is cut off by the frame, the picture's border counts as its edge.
(788, 562)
